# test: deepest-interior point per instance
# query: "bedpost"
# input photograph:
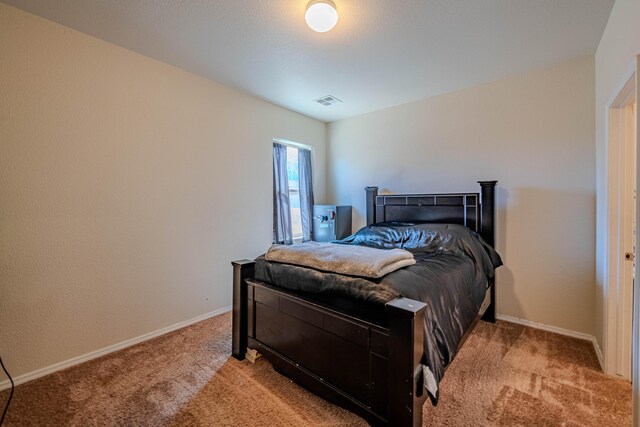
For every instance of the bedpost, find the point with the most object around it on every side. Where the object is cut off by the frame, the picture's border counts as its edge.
(372, 193)
(488, 233)
(242, 270)
(487, 214)
(406, 393)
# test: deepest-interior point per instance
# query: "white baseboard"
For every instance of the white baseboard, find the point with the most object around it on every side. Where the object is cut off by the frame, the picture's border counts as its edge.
(29, 376)
(555, 329)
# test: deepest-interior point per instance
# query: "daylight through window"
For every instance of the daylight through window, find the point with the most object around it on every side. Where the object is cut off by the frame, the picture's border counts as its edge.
(294, 192)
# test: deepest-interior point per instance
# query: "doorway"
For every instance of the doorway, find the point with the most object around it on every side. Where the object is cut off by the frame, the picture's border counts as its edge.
(618, 337)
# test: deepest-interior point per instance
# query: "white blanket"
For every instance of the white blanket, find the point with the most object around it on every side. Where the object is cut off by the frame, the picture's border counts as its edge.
(351, 260)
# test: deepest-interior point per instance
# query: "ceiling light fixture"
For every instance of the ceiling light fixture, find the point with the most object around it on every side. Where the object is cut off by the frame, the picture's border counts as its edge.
(321, 15)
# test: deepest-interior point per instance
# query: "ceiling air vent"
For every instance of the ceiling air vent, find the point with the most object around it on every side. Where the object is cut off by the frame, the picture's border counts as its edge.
(327, 100)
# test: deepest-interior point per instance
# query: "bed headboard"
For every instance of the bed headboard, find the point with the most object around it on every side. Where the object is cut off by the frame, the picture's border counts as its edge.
(474, 210)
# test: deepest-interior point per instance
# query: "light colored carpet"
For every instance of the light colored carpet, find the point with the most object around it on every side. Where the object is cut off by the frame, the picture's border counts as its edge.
(505, 375)
(512, 375)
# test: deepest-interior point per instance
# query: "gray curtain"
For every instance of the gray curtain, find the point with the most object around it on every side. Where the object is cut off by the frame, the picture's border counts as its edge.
(281, 213)
(306, 192)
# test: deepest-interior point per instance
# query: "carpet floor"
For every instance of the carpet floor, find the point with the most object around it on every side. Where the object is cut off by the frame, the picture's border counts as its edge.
(505, 375)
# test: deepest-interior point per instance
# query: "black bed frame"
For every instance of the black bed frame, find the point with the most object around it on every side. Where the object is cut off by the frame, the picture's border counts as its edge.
(371, 370)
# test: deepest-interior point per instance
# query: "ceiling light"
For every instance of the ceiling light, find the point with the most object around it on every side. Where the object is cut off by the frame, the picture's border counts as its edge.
(321, 15)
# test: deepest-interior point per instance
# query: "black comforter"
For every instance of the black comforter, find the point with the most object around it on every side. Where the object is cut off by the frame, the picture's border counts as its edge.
(451, 275)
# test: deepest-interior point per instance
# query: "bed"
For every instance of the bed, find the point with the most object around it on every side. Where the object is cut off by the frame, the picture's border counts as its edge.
(375, 359)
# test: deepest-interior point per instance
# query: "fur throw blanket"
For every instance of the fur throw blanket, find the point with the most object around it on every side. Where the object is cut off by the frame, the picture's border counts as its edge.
(350, 260)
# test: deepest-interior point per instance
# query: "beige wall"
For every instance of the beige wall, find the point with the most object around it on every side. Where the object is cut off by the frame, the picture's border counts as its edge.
(126, 188)
(535, 134)
(616, 53)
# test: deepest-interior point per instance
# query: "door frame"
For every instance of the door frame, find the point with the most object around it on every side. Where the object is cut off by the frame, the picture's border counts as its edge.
(635, 360)
(617, 335)
(630, 81)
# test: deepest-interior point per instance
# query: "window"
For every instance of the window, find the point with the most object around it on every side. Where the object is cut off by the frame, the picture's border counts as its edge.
(292, 193)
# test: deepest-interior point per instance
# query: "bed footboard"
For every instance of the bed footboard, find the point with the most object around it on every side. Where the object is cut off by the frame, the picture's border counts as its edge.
(365, 368)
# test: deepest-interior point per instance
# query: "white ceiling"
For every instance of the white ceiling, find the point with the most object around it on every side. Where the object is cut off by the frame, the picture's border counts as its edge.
(381, 53)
